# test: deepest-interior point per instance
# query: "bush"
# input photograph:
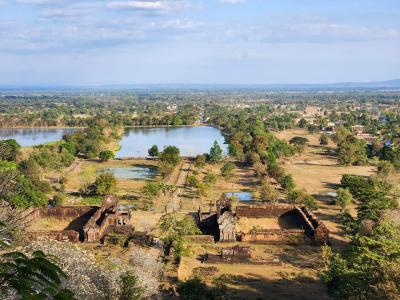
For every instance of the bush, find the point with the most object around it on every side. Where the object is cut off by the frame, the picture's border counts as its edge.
(192, 181)
(227, 170)
(343, 198)
(268, 193)
(153, 151)
(105, 184)
(106, 155)
(302, 198)
(200, 161)
(170, 156)
(287, 183)
(210, 178)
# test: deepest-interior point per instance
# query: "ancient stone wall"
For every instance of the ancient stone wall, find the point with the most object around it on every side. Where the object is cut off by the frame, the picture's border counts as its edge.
(279, 236)
(263, 211)
(63, 235)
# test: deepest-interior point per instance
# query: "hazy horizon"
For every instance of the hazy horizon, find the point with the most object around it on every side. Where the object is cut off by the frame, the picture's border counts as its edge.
(123, 42)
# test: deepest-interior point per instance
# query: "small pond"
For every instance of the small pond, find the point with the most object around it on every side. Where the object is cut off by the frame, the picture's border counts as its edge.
(241, 196)
(131, 172)
(27, 137)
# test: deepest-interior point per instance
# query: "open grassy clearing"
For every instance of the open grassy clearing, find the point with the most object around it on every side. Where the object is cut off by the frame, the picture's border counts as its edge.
(317, 171)
(297, 278)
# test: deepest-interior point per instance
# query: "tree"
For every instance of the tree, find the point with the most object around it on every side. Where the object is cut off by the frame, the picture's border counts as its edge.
(233, 150)
(106, 155)
(200, 161)
(372, 195)
(287, 183)
(9, 149)
(215, 152)
(384, 168)
(192, 181)
(210, 178)
(174, 228)
(302, 123)
(369, 267)
(227, 170)
(153, 151)
(151, 190)
(301, 197)
(268, 193)
(323, 139)
(131, 288)
(343, 198)
(105, 184)
(352, 151)
(299, 143)
(38, 277)
(170, 155)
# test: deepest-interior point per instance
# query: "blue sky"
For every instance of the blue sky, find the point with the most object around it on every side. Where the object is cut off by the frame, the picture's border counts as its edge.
(85, 42)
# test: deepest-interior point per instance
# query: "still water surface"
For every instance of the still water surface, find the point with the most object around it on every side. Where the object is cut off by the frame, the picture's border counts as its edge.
(132, 172)
(34, 136)
(190, 140)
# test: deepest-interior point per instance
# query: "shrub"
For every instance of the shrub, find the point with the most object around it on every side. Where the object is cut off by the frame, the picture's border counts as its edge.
(106, 155)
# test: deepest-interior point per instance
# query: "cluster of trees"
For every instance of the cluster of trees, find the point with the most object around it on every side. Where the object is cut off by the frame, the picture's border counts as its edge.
(174, 228)
(104, 184)
(368, 268)
(20, 182)
(93, 140)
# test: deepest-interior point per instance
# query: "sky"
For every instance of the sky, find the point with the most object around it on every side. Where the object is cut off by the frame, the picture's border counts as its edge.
(105, 42)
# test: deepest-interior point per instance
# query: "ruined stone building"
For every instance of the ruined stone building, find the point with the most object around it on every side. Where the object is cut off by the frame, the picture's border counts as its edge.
(276, 223)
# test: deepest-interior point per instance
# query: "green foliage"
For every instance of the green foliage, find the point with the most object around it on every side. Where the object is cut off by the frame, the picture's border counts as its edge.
(275, 171)
(215, 152)
(131, 288)
(384, 168)
(302, 123)
(301, 197)
(58, 199)
(9, 149)
(227, 170)
(323, 139)
(48, 157)
(153, 151)
(268, 193)
(343, 198)
(372, 195)
(29, 167)
(165, 169)
(38, 277)
(298, 140)
(105, 184)
(21, 191)
(170, 156)
(287, 183)
(173, 230)
(210, 178)
(233, 150)
(369, 267)
(106, 155)
(200, 161)
(151, 190)
(352, 151)
(192, 181)
(196, 289)
(70, 147)
(7, 165)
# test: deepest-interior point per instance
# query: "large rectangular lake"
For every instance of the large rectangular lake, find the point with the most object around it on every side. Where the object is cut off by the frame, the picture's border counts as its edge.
(34, 136)
(190, 140)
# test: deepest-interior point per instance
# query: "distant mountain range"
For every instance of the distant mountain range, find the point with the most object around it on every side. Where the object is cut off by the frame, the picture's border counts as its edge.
(340, 86)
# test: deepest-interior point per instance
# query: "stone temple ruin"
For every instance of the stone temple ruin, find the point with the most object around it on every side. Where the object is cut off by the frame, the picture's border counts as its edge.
(89, 224)
(273, 223)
